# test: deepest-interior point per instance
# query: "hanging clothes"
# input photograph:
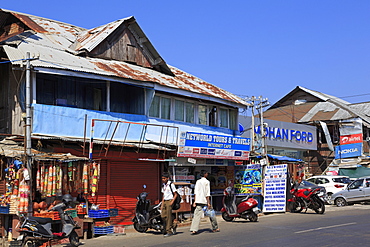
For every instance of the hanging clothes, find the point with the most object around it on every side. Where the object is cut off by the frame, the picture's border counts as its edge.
(38, 178)
(59, 181)
(45, 181)
(94, 183)
(70, 171)
(50, 182)
(24, 191)
(85, 178)
(53, 182)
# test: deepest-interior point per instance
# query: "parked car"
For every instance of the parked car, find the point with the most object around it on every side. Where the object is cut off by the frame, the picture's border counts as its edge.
(332, 184)
(356, 192)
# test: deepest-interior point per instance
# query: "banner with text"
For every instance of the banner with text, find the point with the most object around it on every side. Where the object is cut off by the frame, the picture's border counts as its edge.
(275, 188)
(248, 180)
(201, 145)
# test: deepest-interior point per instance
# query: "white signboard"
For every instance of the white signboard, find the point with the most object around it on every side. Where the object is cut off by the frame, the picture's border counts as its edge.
(275, 188)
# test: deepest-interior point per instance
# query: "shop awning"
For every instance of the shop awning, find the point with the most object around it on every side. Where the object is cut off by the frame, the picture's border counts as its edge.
(282, 158)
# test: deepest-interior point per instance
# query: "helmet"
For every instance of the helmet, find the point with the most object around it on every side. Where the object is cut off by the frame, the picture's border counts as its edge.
(67, 198)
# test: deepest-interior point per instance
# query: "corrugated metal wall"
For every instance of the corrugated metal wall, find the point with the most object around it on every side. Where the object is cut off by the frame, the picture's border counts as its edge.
(125, 182)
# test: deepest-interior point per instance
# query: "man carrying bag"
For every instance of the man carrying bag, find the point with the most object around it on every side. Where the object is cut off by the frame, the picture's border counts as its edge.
(169, 196)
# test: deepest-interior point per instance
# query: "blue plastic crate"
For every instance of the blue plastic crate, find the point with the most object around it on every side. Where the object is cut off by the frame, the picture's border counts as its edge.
(4, 209)
(103, 230)
(101, 213)
(113, 212)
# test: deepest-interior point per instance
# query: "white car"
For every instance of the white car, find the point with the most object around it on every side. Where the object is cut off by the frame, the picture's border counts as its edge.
(332, 184)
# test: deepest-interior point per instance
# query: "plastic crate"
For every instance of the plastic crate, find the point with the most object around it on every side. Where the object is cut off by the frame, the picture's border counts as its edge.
(4, 209)
(101, 213)
(103, 230)
(71, 212)
(52, 215)
(113, 212)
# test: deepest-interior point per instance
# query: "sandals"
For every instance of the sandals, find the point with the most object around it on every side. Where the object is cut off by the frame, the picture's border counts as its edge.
(194, 232)
(216, 230)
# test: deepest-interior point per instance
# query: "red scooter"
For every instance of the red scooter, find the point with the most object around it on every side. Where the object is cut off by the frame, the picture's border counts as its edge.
(304, 198)
(245, 208)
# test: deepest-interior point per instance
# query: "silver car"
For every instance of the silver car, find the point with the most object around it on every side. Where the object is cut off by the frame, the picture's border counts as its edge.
(357, 191)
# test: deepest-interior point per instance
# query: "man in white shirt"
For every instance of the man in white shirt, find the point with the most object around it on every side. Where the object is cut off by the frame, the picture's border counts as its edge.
(168, 199)
(202, 193)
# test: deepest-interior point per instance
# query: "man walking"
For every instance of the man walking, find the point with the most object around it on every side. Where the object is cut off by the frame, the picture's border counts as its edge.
(168, 199)
(202, 193)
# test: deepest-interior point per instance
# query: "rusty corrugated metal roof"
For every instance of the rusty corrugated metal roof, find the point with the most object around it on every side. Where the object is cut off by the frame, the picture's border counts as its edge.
(310, 112)
(89, 39)
(53, 49)
(12, 149)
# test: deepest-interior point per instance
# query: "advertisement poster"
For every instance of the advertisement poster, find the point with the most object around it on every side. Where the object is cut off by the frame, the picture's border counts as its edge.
(219, 177)
(350, 139)
(348, 151)
(248, 180)
(210, 146)
(275, 188)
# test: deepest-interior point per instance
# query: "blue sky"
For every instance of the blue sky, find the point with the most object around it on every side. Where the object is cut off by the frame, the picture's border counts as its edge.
(247, 47)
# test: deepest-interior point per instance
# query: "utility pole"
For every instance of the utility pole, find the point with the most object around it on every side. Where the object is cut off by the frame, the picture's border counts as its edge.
(263, 102)
(28, 105)
(259, 103)
(252, 127)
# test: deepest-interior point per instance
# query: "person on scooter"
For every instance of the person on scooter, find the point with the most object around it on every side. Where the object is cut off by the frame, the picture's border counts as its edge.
(202, 193)
(168, 199)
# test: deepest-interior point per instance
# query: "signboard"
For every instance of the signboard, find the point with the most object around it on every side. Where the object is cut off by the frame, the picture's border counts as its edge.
(275, 188)
(201, 145)
(220, 177)
(349, 139)
(349, 150)
(248, 180)
(283, 134)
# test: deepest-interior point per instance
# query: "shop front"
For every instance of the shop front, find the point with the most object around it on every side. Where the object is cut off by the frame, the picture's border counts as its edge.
(217, 154)
(286, 146)
(33, 192)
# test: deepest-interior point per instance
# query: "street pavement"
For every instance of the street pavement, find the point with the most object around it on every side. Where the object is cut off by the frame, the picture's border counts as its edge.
(239, 232)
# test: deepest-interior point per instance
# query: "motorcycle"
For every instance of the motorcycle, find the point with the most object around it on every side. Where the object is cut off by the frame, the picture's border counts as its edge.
(245, 208)
(146, 215)
(304, 198)
(35, 231)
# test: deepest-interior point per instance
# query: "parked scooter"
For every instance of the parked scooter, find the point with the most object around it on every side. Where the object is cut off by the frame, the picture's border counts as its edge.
(146, 215)
(305, 198)
(245, 207)
(35, 231)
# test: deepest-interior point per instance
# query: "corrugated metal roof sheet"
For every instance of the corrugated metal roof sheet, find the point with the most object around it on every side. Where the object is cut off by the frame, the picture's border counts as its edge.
(12, 149)
(53, 50)
(323, 96)
(55, 57)
(89, 39)
(312, 111)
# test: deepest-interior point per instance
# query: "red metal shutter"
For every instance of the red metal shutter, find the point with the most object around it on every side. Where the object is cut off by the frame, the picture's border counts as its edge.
(125, 182)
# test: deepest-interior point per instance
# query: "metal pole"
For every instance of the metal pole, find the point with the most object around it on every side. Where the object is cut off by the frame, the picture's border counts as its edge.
(252, 127)
(28, 105)
(28, 129)
(262, 128)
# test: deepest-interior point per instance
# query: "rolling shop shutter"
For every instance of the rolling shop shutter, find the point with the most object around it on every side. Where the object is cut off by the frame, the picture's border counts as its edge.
(125, 182)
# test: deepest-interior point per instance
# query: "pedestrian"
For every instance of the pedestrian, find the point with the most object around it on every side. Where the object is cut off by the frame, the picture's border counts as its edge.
(168, 199)
(201, 198)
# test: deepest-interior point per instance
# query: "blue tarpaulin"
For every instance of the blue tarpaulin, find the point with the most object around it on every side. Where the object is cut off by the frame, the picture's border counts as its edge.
(282, 158)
